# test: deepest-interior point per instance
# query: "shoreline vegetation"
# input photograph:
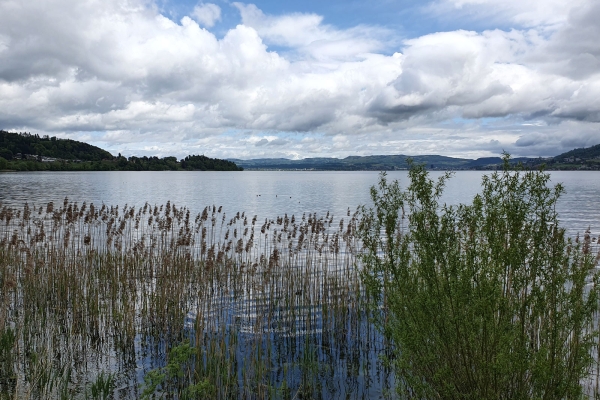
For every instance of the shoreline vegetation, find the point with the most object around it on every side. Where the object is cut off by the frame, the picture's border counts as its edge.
(409, 297)
(27, 152)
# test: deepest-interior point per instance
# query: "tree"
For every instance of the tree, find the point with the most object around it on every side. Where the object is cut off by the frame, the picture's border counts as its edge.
(486, 300)
(6, 154)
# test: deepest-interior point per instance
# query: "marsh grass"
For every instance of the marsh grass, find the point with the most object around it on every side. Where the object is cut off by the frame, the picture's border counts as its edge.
(94, 299)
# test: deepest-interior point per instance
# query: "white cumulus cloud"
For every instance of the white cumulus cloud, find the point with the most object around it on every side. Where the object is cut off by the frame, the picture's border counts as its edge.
(206, 14)
(291, 85)
(530, 13)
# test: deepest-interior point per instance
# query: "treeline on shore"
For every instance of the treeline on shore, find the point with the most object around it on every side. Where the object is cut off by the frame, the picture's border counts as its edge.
(31, 152)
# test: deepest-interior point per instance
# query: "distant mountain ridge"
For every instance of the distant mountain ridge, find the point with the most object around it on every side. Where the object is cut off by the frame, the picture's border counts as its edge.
(377, 163)
(576, 159)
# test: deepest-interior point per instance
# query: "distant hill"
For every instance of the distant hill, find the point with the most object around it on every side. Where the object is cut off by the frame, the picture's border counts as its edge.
(27, 152)
(377, 163)
(13, 144)
(577, 159)
(588, 153)
(587, 158)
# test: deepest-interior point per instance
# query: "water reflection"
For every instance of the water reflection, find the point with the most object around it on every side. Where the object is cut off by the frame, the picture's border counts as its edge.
(269, 193)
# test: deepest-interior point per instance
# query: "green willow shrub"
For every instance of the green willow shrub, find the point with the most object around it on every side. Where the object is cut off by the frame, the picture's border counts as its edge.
(487, 300)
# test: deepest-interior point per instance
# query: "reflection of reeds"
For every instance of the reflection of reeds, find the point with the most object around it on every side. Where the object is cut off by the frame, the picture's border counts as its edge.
(273, 308)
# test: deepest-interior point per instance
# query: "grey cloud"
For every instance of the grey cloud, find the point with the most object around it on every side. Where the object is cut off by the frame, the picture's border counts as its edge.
(433, 102)
(531, 139)
(570, 140)
(21, 122)
(575, 49)
(583, 65)
(274, 142)
(278, 142)
(386, 114)
(303, 120)
(539, 114)
(88, 97)
(553, 139)
(580, 114)
(495, 88)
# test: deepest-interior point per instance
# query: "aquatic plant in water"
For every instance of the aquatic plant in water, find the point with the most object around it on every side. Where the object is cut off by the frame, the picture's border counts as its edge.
(486, 300)
(101, 299)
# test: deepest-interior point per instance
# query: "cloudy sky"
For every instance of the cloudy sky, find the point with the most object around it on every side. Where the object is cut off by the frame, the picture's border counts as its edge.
(295, 79)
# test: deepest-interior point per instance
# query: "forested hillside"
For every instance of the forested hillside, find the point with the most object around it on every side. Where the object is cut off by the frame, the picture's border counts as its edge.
(13, 144)
(587, 153)
(586, 158)
(27, 152)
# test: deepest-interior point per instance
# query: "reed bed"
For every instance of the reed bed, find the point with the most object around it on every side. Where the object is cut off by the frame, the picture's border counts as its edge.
(125, 302)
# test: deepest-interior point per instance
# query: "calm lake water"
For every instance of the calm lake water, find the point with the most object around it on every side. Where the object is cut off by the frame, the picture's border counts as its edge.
(269, 194)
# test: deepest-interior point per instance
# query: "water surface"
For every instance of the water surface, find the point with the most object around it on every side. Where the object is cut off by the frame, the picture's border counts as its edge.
(269, 193)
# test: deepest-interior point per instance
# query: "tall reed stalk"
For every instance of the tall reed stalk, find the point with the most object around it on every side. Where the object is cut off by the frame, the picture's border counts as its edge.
(271, 309)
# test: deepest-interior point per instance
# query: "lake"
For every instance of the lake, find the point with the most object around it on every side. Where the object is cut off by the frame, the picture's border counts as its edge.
(273, 309)
(269, 194)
